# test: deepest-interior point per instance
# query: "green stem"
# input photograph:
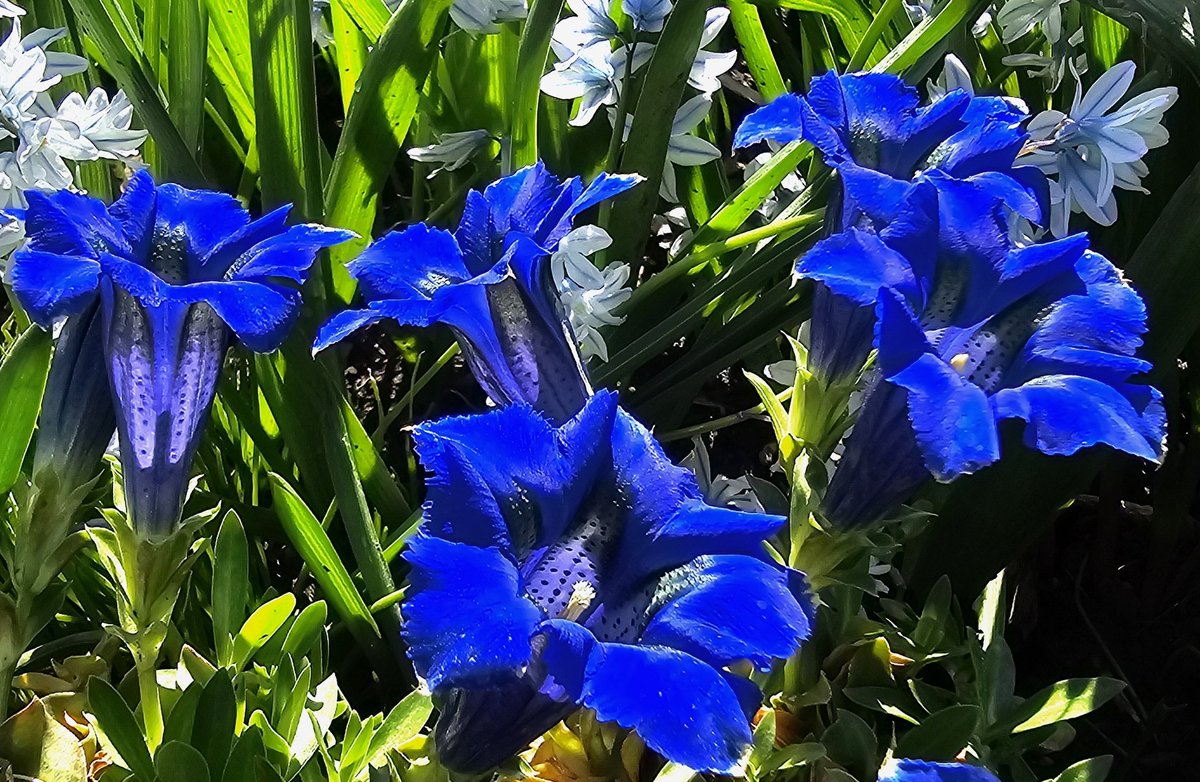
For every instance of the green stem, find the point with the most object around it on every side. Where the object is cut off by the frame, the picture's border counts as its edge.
(6, 677)
(151, 706)
(611, 163)
(721, 423)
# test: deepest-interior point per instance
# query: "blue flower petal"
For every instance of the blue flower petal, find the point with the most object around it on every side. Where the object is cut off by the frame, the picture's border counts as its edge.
(288, 255)
(1064, 414)
(416, 261)
(530, 477)
(672, 523)
(780, 121)
(164, 358)
(50, 286)
(188, 225)
(229, 249)
(908, 770)
(134, 214)
(260, 315)
(681, 707)
(466, 622)
(732, 608)
(70, 224)
(855, 264)
(950, 415)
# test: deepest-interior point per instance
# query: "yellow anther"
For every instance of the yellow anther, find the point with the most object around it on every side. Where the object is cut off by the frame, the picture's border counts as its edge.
(959, 362)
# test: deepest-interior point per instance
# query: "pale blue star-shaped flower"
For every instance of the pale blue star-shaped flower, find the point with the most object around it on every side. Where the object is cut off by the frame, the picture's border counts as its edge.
(593, 75)
(1091, 150)
(683, 149)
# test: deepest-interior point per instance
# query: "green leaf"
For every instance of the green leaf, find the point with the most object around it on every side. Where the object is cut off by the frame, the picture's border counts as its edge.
(371, 16)
(661, 94)
(888, 700)
(1105, 37)
(306, 630)
(262, 624)
(531, 64)
(942, 735)
(402, 724)
(764, 740)
(1162, 24)
(285, 104)
(114, 717)
(1059, 702)
(22, 383)
(379, 120)
(931, 627)
(748, 27)
(36, 746)
(314, 546)
(231, 585)
(851, 742)
(674, 772)
(1091, 770)
(187, 48)
(178, 762)
(214, 729)
(848, 17)
(121, 55)
(929, 33)
(792, 756)
(243, 760)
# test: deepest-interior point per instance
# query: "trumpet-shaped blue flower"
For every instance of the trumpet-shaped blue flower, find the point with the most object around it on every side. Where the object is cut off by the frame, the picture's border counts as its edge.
(490, 283)
(605, 580)
(874, 130)
(1045, 334)
(909, 770)
(77, 417)
(177, 272)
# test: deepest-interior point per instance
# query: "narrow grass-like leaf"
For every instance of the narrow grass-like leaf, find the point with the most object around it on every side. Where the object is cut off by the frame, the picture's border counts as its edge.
(350, 49)
(187, 46)
(121, 55)
(661, 93)
(378, 122)
(928, 34)
(356, 517)
(1105, 37)
(756, 48)
(314, 546)
(531, 64)
(371, 16)
(285, 104)
(22, 382)
(848, 17)
(230, 59)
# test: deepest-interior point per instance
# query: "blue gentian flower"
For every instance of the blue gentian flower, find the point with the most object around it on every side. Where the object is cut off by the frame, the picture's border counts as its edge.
(77, 418)
(1046, 335)
(177, 272)
(489, 281)
(576, 566)
(873, 129)
(909, 770)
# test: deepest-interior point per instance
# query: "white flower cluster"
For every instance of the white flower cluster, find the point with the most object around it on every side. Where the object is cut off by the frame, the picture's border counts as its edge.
(719, 490)
(43, 136)
(1092, 150)
(588, 294)
(591, 70)
(452, 150)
